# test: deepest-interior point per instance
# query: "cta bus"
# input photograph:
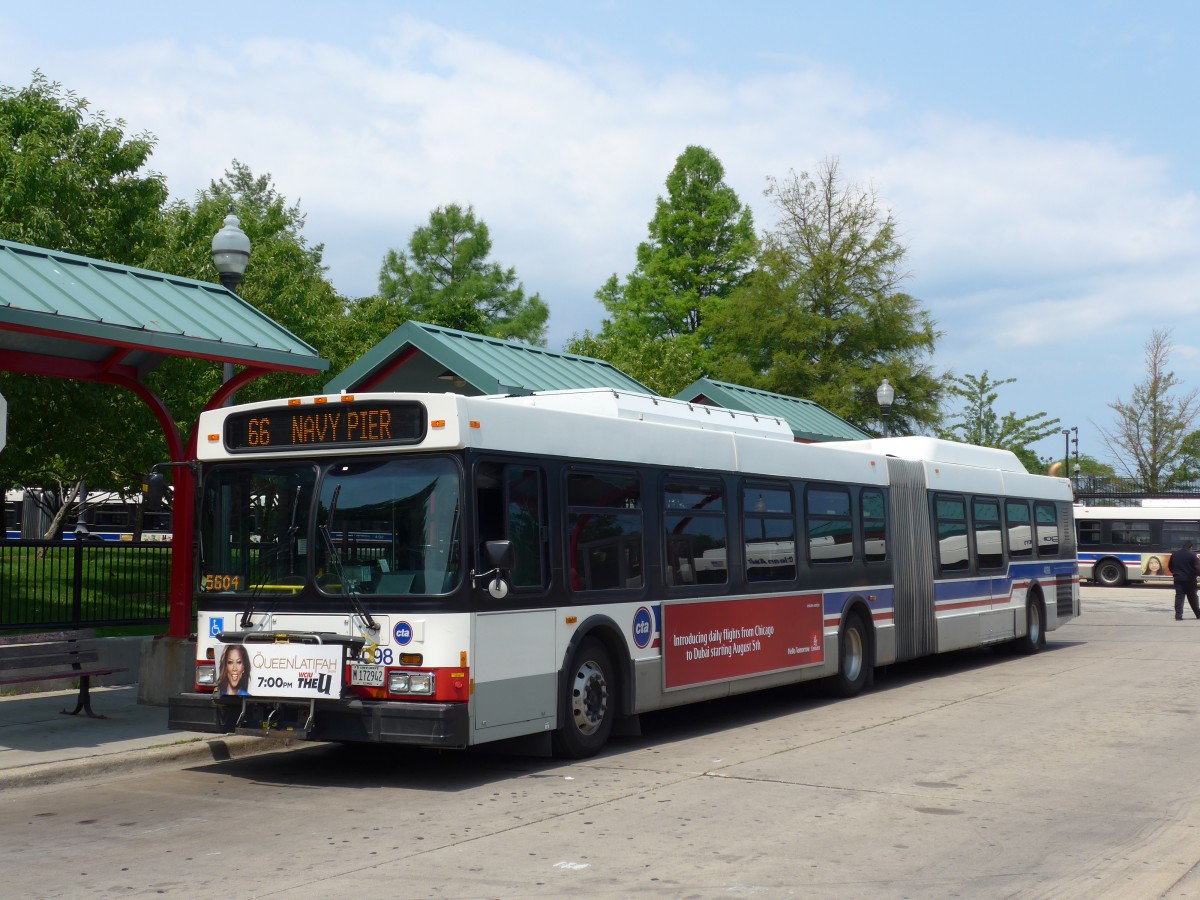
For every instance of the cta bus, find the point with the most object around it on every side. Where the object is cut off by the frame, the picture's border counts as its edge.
(445, 571)
(1121, 544)
(106, 515)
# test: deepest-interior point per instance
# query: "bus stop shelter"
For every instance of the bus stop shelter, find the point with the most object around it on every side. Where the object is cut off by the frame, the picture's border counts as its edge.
(72, 317)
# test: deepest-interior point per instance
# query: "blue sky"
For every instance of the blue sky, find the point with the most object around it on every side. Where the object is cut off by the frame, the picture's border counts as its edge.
(1040, 159)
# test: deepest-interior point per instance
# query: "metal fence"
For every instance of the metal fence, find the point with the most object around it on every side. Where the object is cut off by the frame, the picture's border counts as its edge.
(61, 584)
(1100, 490)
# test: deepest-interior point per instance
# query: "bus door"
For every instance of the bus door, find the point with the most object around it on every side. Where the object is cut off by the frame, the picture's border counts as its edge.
(515, 661)
(909, 525)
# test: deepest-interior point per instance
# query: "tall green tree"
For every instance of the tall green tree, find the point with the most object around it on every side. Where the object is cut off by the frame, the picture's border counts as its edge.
(700, 248)
(446, 279)
(823, 316)
(1148, 439)
(71, 180)
(976, 421)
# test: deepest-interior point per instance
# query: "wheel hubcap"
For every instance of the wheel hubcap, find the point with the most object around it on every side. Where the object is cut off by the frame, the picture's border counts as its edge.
(852, 654)
(589, 697)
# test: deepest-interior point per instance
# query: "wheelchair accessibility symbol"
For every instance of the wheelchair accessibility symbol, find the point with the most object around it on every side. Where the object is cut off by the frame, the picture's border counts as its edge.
(215, 627)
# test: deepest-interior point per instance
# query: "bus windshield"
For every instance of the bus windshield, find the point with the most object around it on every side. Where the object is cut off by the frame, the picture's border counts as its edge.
(379, 527)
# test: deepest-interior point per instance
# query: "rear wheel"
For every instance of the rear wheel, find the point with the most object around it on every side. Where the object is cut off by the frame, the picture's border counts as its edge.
(590, 699)
(1035, 627)
(854, 663)
(1110, 572)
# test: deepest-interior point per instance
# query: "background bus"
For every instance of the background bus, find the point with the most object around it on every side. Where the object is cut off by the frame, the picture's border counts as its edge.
(1120, 544)
(446, 571)
(107, 515)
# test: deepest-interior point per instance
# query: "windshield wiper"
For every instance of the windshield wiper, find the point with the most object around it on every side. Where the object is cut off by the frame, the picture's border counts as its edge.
(292, 529)
(335, 559)
(264, 564)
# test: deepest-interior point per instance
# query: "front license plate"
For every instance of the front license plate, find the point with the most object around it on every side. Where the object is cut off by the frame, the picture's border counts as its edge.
(366, 676)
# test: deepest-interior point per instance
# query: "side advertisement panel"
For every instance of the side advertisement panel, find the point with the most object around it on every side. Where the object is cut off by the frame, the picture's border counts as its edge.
(723, 639)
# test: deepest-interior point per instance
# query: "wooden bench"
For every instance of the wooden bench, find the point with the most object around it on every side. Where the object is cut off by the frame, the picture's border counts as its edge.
(53, 656)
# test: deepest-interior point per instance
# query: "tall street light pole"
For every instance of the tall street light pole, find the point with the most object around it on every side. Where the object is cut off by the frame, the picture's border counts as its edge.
(230, 255)
(885, 396)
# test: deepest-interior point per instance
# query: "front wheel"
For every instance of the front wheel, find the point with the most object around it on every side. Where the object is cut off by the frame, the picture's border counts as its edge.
(854, 663)
(588, 686)
(1110, 572)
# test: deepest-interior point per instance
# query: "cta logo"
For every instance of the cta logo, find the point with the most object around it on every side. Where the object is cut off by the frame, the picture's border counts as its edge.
(643, 627)
(403, 633)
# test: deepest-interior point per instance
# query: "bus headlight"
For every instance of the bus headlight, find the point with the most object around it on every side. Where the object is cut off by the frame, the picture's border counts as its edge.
(411, 683)
(206, 676)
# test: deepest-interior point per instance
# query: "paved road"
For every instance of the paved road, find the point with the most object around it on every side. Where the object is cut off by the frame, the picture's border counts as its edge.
(1068, 774)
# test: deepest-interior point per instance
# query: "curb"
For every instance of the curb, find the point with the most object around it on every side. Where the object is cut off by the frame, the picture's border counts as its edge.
(194, 751)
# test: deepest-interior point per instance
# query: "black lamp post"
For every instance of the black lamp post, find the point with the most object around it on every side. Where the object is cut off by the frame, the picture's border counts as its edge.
(230, 254)
(885, 396)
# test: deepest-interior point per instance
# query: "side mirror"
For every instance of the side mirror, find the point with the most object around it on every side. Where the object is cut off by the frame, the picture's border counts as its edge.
(500, 557)
(499, 554)
(154, 489)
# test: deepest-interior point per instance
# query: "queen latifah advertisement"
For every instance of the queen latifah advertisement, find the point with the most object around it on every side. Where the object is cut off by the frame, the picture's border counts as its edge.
(280, 670)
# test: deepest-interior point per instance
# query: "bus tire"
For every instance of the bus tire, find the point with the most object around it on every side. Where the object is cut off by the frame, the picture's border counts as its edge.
(854, 663)
(1034, 638)
(1110, 572)
(590, 698)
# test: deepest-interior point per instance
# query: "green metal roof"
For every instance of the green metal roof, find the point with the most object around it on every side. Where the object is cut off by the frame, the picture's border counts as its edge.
(809, 421)
(81, 315)
(428, 358)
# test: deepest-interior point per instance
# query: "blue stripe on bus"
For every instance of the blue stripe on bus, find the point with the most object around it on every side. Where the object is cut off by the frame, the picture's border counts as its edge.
(835, 601)
(1131, 558)
(1000, 585)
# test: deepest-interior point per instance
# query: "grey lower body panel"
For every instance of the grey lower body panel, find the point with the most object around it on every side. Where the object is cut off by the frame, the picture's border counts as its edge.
(443, 725)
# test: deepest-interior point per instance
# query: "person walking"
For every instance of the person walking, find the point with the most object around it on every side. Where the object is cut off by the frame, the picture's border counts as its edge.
(1183, 568)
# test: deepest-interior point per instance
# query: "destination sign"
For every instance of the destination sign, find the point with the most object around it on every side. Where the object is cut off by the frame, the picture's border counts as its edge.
(325, 425)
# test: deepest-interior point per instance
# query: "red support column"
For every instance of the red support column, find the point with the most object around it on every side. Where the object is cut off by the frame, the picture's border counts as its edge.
(183, 525)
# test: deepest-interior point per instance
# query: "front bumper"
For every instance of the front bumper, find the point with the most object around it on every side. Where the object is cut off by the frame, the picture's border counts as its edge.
(444, 725)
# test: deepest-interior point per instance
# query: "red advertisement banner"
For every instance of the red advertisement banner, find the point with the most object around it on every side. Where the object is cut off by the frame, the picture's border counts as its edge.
(721, 639)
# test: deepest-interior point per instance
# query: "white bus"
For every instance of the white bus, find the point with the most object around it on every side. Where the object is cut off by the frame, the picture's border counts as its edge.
(446, 571)
(107, 515)
(1120, 544)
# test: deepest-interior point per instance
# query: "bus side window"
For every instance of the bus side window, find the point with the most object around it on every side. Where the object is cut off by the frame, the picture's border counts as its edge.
(694, 521)
(829, 525)
(1020, 535)
(1135, 533)
(605, 543)
(1089, 532)
(1047, 529)
(769, 528)
(874, 526)
(985, 515)
(525, 525)
(510, 506)
(1175, 533)
(952, 533)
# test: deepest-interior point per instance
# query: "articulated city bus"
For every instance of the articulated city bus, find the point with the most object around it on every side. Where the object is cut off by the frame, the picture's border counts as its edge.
(445, 571)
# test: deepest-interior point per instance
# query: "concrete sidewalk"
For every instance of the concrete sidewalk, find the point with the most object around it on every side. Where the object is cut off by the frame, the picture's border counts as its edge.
(40, 745)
